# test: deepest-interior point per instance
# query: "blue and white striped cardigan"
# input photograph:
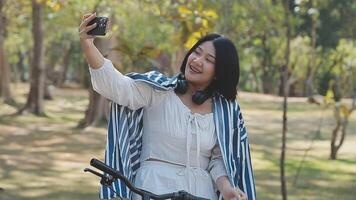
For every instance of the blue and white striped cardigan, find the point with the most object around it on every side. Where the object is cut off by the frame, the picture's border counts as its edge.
(124, 140)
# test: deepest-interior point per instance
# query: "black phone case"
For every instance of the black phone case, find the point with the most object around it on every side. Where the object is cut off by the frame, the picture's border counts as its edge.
(100, 28)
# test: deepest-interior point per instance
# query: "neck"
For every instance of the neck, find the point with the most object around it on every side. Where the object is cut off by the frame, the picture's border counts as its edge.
(193, 88)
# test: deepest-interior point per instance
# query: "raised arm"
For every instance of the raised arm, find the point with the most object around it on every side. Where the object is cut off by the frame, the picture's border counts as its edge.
(94, 58)
(107, 80)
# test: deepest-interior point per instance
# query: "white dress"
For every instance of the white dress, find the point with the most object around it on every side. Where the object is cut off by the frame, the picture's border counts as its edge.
(185, 143)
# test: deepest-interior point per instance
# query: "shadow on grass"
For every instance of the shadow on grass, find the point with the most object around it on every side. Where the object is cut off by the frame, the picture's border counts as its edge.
(61, 195)
(43, 157)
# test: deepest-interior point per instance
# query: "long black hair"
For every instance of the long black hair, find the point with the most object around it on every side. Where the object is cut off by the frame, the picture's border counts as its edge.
(227, 68)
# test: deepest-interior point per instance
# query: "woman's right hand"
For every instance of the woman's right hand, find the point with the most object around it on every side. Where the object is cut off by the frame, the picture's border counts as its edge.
(83, 28)
(93, 56)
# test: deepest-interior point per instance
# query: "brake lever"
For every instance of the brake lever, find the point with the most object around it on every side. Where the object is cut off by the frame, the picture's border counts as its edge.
(94, 172)
(105, 179)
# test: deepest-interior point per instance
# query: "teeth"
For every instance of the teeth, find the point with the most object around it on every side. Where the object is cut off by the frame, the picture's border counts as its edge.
(193, 69)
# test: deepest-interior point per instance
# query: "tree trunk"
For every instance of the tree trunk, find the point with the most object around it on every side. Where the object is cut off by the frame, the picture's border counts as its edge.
(97, 111)
(285, 101)
(48, 93)
(50, 78)
(4, 67)
(308, 84)
(21, 67)
(65, 63)
(267, 83)
(267, 74)
(84, 75)
(256, 79)
(98, 108)
(37, 76)
(333, 148)
(341, 123)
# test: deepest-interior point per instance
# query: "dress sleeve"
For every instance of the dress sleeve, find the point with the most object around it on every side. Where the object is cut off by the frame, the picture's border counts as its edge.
(121, 89)
(216, 165)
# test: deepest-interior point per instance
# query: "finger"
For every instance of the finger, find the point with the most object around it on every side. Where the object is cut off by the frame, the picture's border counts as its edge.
(236, 195)
(84, 35)
(88, 19)
(108, 25)
(89, 37)
(84, 32)
(86, 15)
(88, 28)
(242, 195)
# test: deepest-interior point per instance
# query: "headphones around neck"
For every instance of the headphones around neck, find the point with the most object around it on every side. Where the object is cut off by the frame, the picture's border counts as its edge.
(199, 97)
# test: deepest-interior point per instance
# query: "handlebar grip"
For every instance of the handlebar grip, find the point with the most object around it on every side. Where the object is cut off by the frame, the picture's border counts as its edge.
(103, 167)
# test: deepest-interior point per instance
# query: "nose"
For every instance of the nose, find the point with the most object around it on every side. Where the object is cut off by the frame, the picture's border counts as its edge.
(198, 60)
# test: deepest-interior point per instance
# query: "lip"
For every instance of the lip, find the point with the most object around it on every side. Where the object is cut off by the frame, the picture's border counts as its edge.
(194, 69)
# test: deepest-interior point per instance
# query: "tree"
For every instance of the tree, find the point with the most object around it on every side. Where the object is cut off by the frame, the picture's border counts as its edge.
(307, 13)
(342, 114)
(18, 41)
(34, 102)
(4, 67)
(342, 84)
(311, 69)
(256, 29)
(286, 6)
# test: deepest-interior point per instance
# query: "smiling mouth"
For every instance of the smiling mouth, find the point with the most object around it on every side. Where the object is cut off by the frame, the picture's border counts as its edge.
(194, 69)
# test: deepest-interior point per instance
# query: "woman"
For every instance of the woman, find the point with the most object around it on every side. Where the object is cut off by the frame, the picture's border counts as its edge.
(180, 133)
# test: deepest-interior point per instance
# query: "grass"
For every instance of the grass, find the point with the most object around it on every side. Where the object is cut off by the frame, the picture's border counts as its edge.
(43, 158)
(319, 178)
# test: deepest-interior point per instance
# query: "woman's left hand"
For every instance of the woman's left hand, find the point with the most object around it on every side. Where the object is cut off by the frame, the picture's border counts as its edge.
(231, 193)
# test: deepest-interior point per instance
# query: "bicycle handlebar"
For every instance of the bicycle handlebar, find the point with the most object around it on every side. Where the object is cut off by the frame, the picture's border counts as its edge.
(180, 195)
(103, 167)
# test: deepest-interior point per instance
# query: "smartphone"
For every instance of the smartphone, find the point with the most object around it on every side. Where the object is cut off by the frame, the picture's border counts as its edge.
(101, 23)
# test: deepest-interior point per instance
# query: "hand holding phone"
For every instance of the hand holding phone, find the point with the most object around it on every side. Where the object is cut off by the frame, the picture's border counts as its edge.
(92, 26)
(101, 24)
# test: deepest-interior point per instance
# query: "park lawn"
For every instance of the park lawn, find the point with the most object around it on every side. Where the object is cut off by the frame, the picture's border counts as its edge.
(43, 158)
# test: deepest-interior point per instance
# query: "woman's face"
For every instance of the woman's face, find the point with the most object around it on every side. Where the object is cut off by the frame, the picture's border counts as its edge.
(200, 69)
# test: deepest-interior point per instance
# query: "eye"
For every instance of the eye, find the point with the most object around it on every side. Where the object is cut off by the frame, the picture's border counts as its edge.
(211, 60)
(196, 52)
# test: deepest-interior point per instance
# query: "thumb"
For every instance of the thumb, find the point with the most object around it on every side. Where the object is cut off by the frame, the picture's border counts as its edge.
(236, 195)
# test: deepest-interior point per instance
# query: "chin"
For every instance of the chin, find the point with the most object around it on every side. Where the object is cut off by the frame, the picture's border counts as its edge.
(195, 80)
(191, 77)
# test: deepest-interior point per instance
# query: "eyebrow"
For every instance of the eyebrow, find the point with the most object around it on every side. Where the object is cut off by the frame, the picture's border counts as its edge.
(201, 49)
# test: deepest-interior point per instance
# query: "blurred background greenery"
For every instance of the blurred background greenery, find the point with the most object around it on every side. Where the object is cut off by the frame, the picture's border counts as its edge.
(52, 123)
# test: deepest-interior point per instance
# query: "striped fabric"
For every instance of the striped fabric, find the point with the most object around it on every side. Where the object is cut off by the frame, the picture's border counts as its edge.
(124, 140)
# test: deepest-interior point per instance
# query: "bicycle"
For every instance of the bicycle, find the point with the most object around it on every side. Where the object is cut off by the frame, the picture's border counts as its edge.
(110, 175)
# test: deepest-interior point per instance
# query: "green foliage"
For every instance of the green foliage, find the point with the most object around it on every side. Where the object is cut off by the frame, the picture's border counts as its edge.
(171, 25)
(144, 31)
(339, 67)
(137, 42)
